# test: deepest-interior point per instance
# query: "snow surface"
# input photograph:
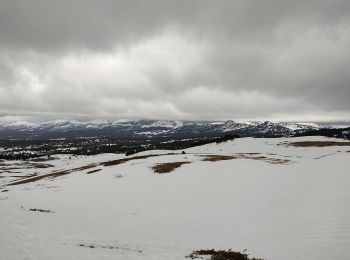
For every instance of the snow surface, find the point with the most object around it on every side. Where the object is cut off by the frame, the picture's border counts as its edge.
(298, 210)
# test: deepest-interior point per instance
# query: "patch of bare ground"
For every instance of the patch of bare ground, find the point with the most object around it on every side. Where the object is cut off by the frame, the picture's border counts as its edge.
(25, 165)
(7, 171)
(93, 171)
(51, 175)
(318, 144)
(127, 159)
(221, 255)
(36, 178)
(42, 210)
(167, 167)
(43, 159)
(39, 210)
(266, 159)
(41, 165)
(119, 247)
(23, 176)
(82, 168)
(216, 157)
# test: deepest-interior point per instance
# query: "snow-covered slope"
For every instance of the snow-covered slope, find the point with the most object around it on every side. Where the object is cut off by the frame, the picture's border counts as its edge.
(276, 200)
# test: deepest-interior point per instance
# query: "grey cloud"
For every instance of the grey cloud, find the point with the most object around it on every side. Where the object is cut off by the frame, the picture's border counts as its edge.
(101, 24)
(175, 59)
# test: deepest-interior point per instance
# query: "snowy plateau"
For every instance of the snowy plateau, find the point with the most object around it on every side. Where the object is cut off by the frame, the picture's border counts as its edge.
(279, 198)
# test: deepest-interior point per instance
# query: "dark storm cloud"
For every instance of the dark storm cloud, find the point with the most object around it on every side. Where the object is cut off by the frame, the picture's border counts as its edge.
(101, 24)
(175, 59)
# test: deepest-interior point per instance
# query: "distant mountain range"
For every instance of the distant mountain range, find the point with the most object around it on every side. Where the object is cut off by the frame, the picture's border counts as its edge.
(149, 129)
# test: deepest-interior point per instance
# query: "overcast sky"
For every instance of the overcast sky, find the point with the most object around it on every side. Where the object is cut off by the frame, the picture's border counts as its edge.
(179, 59)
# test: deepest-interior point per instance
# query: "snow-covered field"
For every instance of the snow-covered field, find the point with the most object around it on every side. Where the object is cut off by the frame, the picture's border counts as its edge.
(279, 202)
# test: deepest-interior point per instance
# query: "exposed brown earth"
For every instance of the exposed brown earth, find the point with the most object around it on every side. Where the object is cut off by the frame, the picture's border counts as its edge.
(266, 159)
(124, 160)
(159, 168)
(42, 210)
(318, 144)
(167, 167)
(93, 171)
(215, 157)
(23, 176)
(38, 210)
(86, 167)
(25, 165)
(41, 165)
(36, 178)
(221, 255)
(118, 247)
(53, 174)
(43, 159)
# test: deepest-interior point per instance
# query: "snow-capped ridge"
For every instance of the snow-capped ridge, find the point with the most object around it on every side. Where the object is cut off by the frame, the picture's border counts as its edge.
(171, 129)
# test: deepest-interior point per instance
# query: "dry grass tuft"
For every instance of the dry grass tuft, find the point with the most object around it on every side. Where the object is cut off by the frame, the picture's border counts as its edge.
(167, 167)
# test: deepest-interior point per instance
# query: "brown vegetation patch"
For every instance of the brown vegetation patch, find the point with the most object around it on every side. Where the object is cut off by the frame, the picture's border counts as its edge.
(36, 178)
(93, 171)
(38, 210)
(43, 159)
(167, 167)
(318, 143)
(124, 160)
(82, 168)
(41, 165)
(42, 210)
(119, 247)
(85, 167)
(23, 176)
(221, 255)
(215, 157)
(266, 159)
(52, 175)
(9, 169)
(25, 165)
